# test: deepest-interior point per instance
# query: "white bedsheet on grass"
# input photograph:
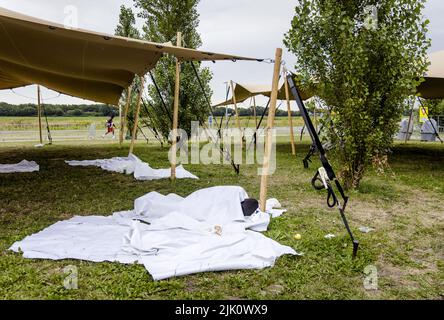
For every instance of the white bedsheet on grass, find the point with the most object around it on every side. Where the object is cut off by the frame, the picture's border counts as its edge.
(170, 235)
(23, 166)
(133, 165)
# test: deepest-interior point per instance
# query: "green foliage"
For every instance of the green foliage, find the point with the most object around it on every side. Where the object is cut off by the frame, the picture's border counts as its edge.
(127, 22)
(127, 28)
(30, 110)
(248, 112)
(436, 106)
(365, 71)
(163, 19)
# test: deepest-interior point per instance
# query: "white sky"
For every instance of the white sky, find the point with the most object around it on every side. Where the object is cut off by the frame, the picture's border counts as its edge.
(252, 28)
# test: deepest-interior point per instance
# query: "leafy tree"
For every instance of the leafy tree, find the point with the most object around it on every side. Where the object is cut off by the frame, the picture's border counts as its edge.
(127, 21)
(100, 110)
(367, 57)
(435, 106)
(163, 19)
(127, 28)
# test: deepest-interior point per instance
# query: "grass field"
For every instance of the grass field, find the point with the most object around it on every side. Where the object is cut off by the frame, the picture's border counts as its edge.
(73, 123)
(55, 123)
(405, 206)
(63, 129)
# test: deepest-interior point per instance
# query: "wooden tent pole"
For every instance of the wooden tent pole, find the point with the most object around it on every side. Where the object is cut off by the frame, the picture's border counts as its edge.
(254, 111)
(235, 107)
(125, 115)
(176, 113)
(269, 133)
(290, 118)
(39, 113)
(410, 121)
(136, 115)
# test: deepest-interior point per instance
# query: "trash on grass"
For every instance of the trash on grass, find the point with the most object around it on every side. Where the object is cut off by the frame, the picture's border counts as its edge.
(366, 229)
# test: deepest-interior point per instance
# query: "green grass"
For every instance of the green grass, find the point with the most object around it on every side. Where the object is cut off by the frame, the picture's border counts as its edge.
(55, 123)
(76, 123)
(405, 206)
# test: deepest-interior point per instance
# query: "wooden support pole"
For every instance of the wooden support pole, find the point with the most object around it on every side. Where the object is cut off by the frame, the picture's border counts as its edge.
(410, 121)
(235, 106)
(290, 118)
(39, 113)
(136, 115)
(269, 133)
(175, 113)
(254, 112)
(125, 115)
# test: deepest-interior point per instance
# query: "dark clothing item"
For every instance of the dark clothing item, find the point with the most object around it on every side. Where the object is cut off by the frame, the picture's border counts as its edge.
(249, 206)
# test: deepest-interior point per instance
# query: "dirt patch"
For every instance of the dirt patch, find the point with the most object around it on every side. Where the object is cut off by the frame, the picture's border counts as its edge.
(415, 226)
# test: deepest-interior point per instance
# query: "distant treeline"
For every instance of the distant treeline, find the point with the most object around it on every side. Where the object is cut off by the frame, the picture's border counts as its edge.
(102, 110)
(247, 112)
(59, 110)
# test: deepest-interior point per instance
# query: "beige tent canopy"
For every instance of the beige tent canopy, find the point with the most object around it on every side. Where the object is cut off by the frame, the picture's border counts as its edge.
(80, 63)
(244, 91)
(433, 87)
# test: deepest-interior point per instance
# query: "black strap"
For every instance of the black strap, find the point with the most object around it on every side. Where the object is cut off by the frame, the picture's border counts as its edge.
(140, 129)
(312, 150)
(147, 111)
(222, 117)
(236, 167)
(153, 126)
(168, 112)
(332, 199)
(199, 80)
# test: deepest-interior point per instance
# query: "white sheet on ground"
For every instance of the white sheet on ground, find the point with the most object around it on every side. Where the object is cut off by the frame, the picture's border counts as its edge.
(23, 166)
(169, 235)
(133, 165)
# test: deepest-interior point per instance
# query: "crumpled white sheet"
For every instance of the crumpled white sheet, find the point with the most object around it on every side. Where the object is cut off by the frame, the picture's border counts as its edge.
(169, 235)
(133, 165)
(22, 166)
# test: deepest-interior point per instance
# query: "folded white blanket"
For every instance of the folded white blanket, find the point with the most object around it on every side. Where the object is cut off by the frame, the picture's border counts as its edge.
(23, 166)
(133, 165)
(169, 235)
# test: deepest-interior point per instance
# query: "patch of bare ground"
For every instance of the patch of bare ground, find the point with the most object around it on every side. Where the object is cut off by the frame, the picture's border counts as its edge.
(413, 227)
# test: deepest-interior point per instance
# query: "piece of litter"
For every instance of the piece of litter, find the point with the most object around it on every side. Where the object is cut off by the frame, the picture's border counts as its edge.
(329, 236)
(297, 236)
(366, 229)
(275, 289)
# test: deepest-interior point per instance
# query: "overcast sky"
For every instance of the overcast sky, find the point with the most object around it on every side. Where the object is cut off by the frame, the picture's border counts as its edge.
(252, 28)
